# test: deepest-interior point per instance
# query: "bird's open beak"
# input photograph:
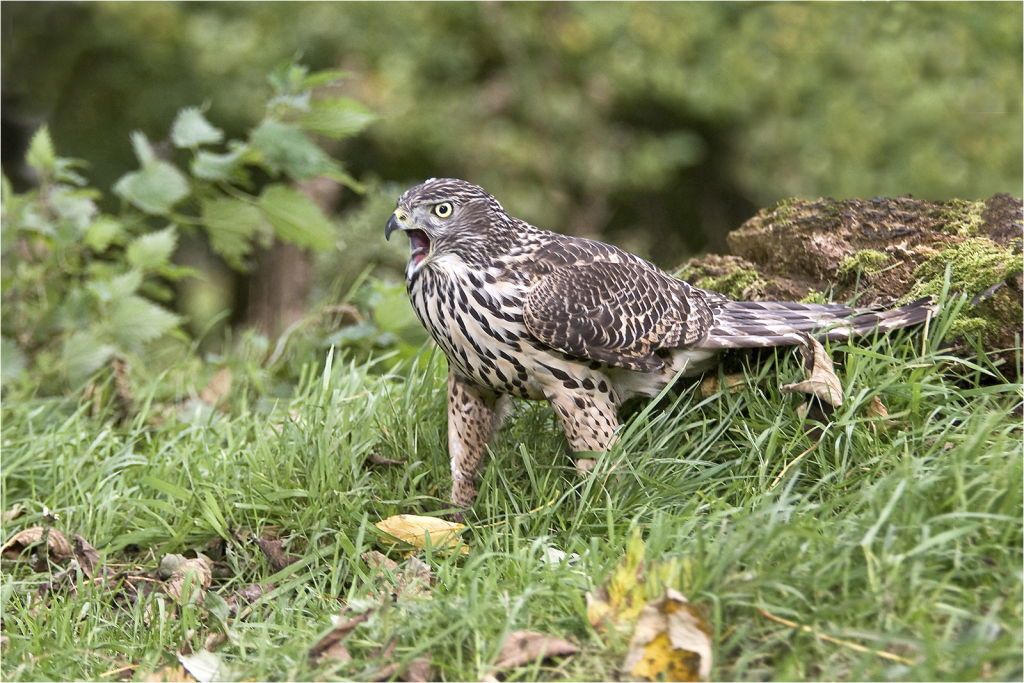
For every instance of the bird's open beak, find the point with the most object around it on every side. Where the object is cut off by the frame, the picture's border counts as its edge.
(419, 241)
(391, 226)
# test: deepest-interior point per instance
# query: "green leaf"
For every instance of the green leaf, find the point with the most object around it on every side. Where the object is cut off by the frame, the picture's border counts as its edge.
(155, 189)
(288, 78)
(77, 309)
(143, 150)
(103, 232)
(210, 166)
(151, 251)
(345, 179)
(12, 360)
(65, 171)
(296, 218)
(137, 320)
(117, 287)
(191, 129)
(394, 314)
(173, 273)
(286, 148)
(325, 77)
(217, 606)
(284, 105)
(337, 118)
(351, 334)
(231, 225)
(83, 354)
(41, 155)
(75, 206)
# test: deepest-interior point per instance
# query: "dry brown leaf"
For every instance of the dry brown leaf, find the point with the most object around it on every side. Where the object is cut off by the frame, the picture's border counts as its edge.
(375, 459)
(877, 409)
(821, 376)
(382, 654)
(189, 582)
(330, 646)
(384, 674)
(247, 595)
(214, 640)
(335, 651)
(418, 670)
(710, 386)
(413, 581)
(13, 513)
(414, 530)
(671, 642)
(88, 557)
(218, 387)
(132, 587)
(525, 647)
(58, 544)
(412, 577)
(376, 559)
(223, 570)
(274, 551)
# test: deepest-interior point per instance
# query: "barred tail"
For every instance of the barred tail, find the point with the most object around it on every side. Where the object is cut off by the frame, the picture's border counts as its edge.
(754, 324)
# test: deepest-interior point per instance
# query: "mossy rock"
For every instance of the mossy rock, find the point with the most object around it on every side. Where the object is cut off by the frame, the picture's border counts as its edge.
(881, 251)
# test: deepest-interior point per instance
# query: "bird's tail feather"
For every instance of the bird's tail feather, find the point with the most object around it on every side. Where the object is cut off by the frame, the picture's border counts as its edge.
(753, 324)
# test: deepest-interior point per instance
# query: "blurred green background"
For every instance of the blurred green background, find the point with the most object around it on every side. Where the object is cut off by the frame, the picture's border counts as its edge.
(657, 126)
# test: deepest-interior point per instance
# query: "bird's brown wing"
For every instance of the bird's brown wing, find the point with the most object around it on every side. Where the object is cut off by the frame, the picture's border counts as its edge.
(615, 312)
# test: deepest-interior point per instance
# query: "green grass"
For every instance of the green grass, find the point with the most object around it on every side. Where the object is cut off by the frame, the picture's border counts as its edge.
(906, 540)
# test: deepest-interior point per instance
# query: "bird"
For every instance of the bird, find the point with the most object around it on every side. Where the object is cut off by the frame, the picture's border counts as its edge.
(521, 312)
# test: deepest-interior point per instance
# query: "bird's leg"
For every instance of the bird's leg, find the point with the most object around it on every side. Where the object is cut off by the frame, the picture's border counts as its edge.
(473, 416)
(589, 421)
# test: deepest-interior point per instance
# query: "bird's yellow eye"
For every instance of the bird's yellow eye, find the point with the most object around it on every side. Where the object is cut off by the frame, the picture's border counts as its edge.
(443, 210)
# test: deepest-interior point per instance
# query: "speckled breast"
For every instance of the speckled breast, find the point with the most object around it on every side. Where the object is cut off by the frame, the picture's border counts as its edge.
(477, 320)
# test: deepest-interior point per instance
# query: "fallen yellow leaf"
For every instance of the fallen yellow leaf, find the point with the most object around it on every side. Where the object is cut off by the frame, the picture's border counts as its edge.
(415, 530)
(670, 641)
(630, 586)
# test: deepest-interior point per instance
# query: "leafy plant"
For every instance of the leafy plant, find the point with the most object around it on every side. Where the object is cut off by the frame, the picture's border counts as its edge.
(78, 285)
(81, 287)
(235, 212)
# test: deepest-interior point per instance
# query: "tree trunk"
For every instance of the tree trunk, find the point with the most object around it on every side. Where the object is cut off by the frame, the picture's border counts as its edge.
(283, 273)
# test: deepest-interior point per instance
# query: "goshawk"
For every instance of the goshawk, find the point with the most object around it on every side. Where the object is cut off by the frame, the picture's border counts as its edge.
(584, 325)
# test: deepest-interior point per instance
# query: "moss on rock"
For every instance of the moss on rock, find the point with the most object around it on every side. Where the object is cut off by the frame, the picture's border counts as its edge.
(741, 283)
(898, 248)
(961, 217)
(974, 266)
(869, 261)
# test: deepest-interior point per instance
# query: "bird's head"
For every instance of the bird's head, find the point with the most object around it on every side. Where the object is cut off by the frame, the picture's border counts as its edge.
(445, 215)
